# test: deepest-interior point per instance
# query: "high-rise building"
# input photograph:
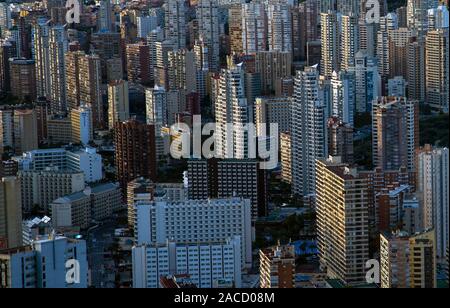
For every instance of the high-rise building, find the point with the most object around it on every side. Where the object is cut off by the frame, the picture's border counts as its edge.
(232, 107)
(7, 51)
(82, 125)
(41, 57)
(195, 221)
(437, 69)
(84, 159)
(343, 99)
(398, 51)
(308, 130)
(10, 213)
(254, 28)
(5, 17)
(416, 70)
(25, 131)
(118, 102)
(22, 74)
(340, 140)
(342, 221)
(433, 180)
(209, 30)
(395, 133)
(105, 16)
(135, 152)
(277, 267)
(206, 264)
(235, 28)
(279, 23)
(228, 178)
(350, 41)
(83, 77)
(272, 110)
(58, 46)
(367, 81)
(157, 114)
(182, 71)
(286, 157)
(394, 255)
(175, 23)
(138, 63)
(417, 14)
(422, 260)
(272, 66)
(330, 44)
(43, 264)
(397, 87)
(145, 25)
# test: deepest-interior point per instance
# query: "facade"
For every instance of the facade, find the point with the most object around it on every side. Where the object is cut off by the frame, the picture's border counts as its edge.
(44, 264)
(229, 178)
(84, 159)
(118, 102)
(83, 208)
(195, 221)
(437, 69)
(433, 180)
(342, 221)
(272, 67)
(175, 25)
(25, 131)
(138, 63)
(340, 140)
(135, 152)
(286, 157)
(41, 188)
(23, 78)
(82, 125)
(330, 43)
(277, 267)
(395, 133)
(83, 75)
(394, 255)
(10, 213)
(272, 110)
(142, 189)
(206, 263)
(308, 130)
(422, 260)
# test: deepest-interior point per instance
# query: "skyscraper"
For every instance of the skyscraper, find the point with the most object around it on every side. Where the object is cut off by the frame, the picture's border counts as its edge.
(343, 100)
(330, 44)
(433, 183)
(279, 27)
(232, 107)
(342, 221)
(308, 130)
(138, 63)
(417, 14)
(254, 28)
(208, 29)
(118, 102)
(41, 57)
(135, 152)
(395, 133)
(83, 75)
(175, 25)
(10, 213)
(58, 46)
(437, 69)
(350, 41)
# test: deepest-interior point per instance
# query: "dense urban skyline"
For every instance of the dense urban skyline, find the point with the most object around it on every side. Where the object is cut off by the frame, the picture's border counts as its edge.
(232, 144)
